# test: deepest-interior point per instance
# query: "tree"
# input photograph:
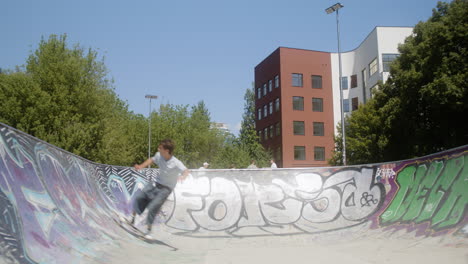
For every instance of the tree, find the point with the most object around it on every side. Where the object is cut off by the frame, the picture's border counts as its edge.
(430, 79)
(412, 115)
(248, 138)
(64, 97)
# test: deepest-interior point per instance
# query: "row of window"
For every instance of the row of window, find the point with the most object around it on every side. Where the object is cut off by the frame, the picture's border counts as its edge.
(298, 104)
(270, 132)
(297, 78)
(373, 67)
(300, 153)
(299, 128)
(316, 80)
(268, 109)
(344, 82)
(354, 104)
(267, 88)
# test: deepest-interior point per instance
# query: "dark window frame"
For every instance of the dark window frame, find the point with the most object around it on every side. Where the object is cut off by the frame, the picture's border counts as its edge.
(354, 82)
(319, 153)
(297, 80)
(298, 106)
(317, 106)
(317, 80)
(319, 129)
(296, 130)
(302, 149)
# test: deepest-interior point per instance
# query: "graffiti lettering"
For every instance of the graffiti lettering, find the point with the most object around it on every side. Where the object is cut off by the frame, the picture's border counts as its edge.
(437, 194)
(307, 201)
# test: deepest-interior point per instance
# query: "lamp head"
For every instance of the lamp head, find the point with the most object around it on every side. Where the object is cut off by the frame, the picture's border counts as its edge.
(333, 8)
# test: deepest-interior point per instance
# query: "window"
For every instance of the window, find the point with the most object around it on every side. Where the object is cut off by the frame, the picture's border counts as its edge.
(344, 83)
(298, 103)
(317, 104)
(299, 128)
(276, 81)
(364, 88)
(265, 111)
(317, 81)
(319, 153)
(270, 85)
(364, 78)
(346, 105)
(277, 104)
(319, 129)
(271, 131)
(373, 89)
(259, 114)
(354, 103)
(297, 79)
(260, 135)
(278, 129)
(264, 89)
(373, 67)
(259, 93)
(270, 105)
(299, 153)
(354, 81)
(387, 60)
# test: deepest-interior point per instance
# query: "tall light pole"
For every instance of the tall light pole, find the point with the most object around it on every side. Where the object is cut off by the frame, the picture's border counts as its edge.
(330, 10)
(149, 96)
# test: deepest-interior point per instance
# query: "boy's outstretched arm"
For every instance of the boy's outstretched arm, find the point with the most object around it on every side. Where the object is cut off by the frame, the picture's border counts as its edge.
(144, 164)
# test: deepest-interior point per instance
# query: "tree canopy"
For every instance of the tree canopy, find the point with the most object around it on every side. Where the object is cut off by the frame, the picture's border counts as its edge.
(422, 107)
(63, 95)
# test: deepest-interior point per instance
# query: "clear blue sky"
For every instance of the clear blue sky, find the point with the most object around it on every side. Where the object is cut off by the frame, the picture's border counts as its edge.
(187, 51)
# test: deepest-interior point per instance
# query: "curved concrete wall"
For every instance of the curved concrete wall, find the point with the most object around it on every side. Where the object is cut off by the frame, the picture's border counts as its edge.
(57, 207)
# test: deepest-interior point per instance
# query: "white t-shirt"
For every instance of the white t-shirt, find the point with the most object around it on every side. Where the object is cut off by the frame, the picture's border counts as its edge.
(273, 166)
(169, 170)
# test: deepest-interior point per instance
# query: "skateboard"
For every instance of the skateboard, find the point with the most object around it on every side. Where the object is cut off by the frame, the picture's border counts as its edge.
(134, 231)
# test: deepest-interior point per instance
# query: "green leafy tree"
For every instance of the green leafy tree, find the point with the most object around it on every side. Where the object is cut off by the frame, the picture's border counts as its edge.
(233, 154)
(23, 102)
(63, 95)
(428, 86)
(414, 111)
(249, 140)
(196, 141)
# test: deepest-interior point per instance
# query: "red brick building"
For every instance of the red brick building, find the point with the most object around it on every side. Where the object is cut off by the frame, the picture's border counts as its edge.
(294, 106)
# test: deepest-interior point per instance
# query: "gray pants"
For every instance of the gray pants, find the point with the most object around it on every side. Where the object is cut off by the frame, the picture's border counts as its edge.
(152, 197)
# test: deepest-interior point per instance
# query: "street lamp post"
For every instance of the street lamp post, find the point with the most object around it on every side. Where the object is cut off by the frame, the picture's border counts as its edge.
(149, 96)
(330, 10)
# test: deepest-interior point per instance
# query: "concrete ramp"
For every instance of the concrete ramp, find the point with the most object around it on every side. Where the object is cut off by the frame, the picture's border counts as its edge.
(56, 207)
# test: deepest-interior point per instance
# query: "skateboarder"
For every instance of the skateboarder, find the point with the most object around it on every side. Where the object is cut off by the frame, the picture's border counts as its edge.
(154, 194)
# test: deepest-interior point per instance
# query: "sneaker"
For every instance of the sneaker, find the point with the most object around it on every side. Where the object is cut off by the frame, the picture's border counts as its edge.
(148, 234)
(130, 221)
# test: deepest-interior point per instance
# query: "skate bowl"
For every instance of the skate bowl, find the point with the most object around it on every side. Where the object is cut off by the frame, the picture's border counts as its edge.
(57, 207)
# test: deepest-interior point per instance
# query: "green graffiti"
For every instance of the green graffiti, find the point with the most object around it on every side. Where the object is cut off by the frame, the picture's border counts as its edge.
(438, 194)
(454, 207)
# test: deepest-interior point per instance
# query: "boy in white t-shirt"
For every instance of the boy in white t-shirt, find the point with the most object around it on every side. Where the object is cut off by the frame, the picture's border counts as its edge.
(154, 194)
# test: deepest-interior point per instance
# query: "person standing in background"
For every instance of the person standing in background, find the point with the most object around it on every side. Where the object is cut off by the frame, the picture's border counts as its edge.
(273, 164)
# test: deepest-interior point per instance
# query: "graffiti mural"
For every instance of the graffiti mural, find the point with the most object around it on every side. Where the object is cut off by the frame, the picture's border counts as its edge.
(435, 192)
(55, 206)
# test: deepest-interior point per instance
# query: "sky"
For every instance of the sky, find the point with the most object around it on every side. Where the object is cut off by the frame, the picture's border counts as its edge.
(190, 51)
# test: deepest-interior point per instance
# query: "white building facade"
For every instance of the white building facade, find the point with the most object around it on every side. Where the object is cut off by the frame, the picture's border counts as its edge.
(364, 66)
